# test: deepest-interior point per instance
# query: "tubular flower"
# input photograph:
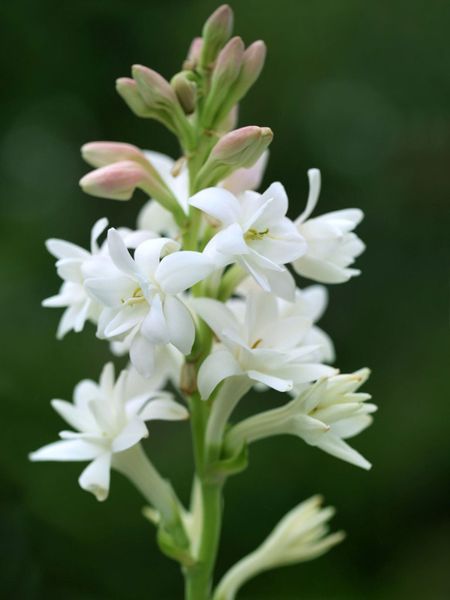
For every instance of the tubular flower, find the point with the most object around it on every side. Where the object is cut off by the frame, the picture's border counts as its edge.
(324, 415)
(331, 244)
(109, 418)
(255, 233)
(303, 534)
(141, 300)
(265, 346)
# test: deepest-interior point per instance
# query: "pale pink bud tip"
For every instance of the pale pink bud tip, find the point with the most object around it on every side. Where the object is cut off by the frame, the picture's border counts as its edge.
(100, 154)
(116, 181)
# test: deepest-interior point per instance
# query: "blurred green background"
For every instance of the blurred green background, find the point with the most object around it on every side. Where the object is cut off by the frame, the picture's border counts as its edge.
(359, 89)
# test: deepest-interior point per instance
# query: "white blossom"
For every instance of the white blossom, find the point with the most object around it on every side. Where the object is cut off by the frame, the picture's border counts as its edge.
(302, 535)
(264, 345)
(324, 415)
(255, 233)
(141, 301)
(331, 244)
(108, 418)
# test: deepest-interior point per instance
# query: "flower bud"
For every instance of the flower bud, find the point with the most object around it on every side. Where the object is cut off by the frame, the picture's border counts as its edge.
(119, 180)
(193, 57)
(302, 535)
(216, 32)
(226, 72)
(185, 90)
(252, 65)
(100, 154)
(238, 149)
(127, 89)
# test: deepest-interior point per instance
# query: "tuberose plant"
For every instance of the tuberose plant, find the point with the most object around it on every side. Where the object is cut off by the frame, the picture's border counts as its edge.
(201, 298)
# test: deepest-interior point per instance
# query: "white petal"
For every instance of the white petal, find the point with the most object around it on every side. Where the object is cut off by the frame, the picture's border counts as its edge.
(180, 326)
(277, 209)
(132, 433)
(95, 477)
(215, 368)
(282, 284)
(142, 355)
(164, 410)
(218, 203)
(67, 450)
(119, 253)
(154, 326)
(71, 414)
(97, 230)
(247, 179)
(181, 270)
(111, 291)
(336, 447)
(322, 271)
(62, 249)
(313, 196)
(215, 314)
(276, 383)
(149, 253)
(229, 242)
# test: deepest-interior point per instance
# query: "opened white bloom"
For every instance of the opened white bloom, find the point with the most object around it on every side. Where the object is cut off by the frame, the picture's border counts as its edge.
(108, 418)
(324, 415)
(303, 534)
(309, 303)
(141, 302)
(331, 244)
(73, 262)
(255, 233)
(265, 346)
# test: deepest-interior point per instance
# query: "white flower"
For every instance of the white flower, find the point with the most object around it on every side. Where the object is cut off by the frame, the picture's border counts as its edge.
(255, 233)
(141, 301)
(303, 534)
(265, 346)
(324, 415)
(109, 418)
(331, 244)
(72, 264)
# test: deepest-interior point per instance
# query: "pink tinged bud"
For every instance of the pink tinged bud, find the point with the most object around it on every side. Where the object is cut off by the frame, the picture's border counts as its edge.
(127, 89)
(100, 154)
(119, 180)
(193, 57)
(116, 181)
(252, 65)
(216, 32)
(185, 90)
(235, 150)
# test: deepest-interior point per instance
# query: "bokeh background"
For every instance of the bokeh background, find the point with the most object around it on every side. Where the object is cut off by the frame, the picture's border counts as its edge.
(359, 89)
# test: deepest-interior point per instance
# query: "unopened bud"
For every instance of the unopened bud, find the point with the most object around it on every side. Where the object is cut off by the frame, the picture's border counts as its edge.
(235, 150)
(252, 65)
(225, 74)
(229, 122)
(100, 154)
(216, 32)
(127, 89)
(193, 57)
(185, 90)
(119, 180)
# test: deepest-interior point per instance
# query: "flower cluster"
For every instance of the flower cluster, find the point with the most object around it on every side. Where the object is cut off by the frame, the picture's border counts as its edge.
(203, 294)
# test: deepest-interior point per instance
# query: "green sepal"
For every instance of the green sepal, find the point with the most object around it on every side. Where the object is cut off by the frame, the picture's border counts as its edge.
(230, 465)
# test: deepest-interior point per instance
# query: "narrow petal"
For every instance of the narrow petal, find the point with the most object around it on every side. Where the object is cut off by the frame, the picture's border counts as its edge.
(218, 203)
(132, 433)
(313, 196)
(154, 326)
(215, 314)
(119, 253)
(142, 355)
(67, 450)
(97, 230)
(62, 249)
(181, 270)
(163, 410)
(276, 383)
(149, 253)
(96, 476)
(218, 366)
(180, 325)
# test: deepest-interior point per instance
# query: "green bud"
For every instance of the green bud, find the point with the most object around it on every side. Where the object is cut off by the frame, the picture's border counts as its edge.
(235, 150)
(225, 74)
(216, 32)
(252, 65)
(185, 90)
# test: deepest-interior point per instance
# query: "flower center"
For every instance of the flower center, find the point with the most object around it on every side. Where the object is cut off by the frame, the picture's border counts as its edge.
(254, 234)
(136, 298)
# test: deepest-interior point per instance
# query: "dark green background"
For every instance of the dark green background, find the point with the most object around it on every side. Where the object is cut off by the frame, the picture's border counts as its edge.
(360, 89)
